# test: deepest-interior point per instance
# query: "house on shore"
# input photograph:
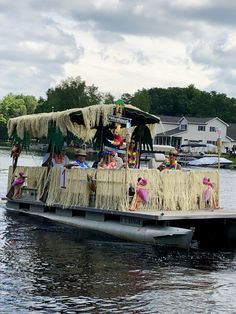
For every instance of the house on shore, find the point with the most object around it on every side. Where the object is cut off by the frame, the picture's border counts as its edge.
(177, 131)
(231, 134)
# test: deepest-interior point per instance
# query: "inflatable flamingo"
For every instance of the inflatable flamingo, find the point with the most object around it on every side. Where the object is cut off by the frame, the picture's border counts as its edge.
(208, 193)
(142, 195)
(17, 184)
(142, 191)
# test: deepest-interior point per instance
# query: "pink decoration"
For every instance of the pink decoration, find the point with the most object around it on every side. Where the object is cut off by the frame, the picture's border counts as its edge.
(143, 194)
(19, 181)
(208, 194)
(207, 181)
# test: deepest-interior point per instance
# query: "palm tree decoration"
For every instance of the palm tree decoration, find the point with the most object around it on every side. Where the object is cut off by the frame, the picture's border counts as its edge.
(142, 136)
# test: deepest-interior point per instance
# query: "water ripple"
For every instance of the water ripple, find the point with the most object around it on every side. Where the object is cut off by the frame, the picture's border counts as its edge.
(50, 268)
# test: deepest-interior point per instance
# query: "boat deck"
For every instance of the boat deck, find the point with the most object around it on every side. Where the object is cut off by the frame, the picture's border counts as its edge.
(208, 225)
(209, 213)
(198, 214)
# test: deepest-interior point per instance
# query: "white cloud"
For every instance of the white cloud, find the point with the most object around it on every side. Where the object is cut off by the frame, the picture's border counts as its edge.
(118, 45)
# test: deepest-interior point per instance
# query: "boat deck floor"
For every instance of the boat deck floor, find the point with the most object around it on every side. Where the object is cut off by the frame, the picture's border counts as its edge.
(146, 214)
(197, 214)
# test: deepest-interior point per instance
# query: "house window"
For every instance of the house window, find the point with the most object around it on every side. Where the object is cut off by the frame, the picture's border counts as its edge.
(212, 129)
(201, 128)
(183, 127)
(211, 142)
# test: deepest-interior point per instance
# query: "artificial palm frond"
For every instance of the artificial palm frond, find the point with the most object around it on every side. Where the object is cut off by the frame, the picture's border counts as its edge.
(25, 142)
(101, 134)
(55, 139)
(142, 135)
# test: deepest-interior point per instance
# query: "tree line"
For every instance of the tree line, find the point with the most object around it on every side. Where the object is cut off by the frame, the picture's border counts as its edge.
(187, 101)
(75, 93)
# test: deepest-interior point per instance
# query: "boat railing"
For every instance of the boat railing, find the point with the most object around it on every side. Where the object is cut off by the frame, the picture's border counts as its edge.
(109, 189)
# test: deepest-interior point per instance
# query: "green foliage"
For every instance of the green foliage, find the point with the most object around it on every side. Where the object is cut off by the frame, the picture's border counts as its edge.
(70, 93)
(189, 101)
(55, 139)
(108, 99)
(3, 120)
(127, 98)
(13, 106)
(30, 103)
(142, 100)
(25, 143)
(3, 127)
(17, 105)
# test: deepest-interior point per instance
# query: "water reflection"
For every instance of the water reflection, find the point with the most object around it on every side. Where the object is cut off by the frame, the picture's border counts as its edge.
(48, 267)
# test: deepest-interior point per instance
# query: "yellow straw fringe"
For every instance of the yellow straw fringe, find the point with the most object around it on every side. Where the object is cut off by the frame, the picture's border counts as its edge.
(37, 125)
(36, 178)
(168, 190)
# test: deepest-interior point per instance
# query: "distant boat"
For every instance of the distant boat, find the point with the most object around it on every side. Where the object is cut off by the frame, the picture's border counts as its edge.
(198, 148)
(210, 162)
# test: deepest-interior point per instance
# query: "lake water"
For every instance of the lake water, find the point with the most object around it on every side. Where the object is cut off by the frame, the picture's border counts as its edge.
(49, 268)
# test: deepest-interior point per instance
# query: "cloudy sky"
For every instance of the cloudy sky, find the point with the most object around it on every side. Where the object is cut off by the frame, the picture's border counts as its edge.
(118, 45)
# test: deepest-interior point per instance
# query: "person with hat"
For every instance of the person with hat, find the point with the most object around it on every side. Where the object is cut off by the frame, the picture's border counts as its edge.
(108, 161)
(80, 160)
(171, 162)
(17, 184)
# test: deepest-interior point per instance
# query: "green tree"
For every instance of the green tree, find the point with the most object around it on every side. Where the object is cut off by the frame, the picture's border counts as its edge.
(12, 106)
(127, 98)
(142, 100)
(30, 102)
(3, 127)
(108, 98)
(70, 93)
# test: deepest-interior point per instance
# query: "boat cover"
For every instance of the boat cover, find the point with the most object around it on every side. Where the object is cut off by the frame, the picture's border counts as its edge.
(205, 161)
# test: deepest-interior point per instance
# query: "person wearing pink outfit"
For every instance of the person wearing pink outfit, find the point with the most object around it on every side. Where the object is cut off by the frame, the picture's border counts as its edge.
(108, 161)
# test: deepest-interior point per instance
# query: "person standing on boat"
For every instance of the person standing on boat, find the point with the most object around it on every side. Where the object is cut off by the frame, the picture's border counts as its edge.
(80, 160)
(171, 163)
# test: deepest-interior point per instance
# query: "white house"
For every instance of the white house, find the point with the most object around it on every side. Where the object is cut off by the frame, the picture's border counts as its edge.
(177, 131)
(231, 134)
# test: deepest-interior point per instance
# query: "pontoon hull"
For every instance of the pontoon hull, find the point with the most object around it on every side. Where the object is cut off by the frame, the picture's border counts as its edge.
(160, 235)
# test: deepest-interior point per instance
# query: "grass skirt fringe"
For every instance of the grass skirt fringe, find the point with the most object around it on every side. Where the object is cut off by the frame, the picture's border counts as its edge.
(168, 190)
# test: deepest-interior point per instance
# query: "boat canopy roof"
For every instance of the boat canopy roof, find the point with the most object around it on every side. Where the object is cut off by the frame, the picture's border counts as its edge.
(82, 122)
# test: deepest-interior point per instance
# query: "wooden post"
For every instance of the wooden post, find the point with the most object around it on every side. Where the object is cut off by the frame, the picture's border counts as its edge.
(127, 138)
(219, 143)
(16, 150)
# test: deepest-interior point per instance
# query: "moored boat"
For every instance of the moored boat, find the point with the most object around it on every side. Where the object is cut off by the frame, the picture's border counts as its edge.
(210, 161)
